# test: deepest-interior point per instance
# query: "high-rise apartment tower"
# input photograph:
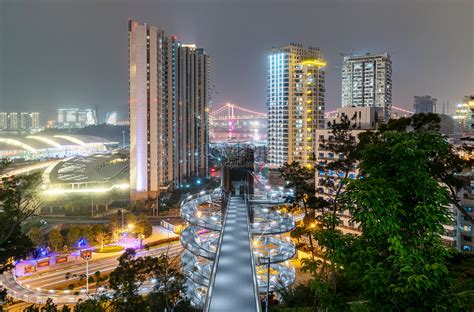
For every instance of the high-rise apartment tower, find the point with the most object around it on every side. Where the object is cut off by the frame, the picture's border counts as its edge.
(168, 108)
(367, 81)
(424, 104)
(295, 102)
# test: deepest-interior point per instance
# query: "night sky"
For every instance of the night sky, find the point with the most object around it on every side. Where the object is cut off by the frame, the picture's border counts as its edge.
(69, 53)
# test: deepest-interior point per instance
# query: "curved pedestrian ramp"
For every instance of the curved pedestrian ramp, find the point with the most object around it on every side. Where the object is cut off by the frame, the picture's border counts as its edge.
(233, 285)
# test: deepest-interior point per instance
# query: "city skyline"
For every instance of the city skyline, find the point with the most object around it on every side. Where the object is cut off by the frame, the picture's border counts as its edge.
(94, 51)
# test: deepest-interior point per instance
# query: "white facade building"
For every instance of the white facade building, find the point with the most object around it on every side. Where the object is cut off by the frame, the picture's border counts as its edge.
(367, 81)
(69, 118)
(168, 107)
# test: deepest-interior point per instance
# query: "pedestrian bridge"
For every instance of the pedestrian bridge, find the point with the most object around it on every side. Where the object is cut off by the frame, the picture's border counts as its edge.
(234, 251)
(234, 283)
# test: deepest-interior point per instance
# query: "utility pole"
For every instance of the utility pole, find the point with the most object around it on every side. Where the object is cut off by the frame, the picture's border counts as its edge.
(122, 219)
(268, 284)
(87, 255)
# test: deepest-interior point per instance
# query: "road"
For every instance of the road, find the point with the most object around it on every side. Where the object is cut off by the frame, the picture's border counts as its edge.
(38, 287)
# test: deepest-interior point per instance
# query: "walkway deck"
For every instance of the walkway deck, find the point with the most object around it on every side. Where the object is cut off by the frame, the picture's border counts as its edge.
(233, 288)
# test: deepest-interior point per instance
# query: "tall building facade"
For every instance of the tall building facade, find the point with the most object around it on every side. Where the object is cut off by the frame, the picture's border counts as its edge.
(3, 121)
(464, 116)
(35, 120)
(168, 108)
(424, 104)
(23, 121)
(367, 81)
(295, 102)
(13, 121)
(69, 118)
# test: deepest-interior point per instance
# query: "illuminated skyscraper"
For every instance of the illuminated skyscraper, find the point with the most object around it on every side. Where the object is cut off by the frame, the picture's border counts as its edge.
(13, 121)
(24, 121)
(168, 108)
(367, 81)
(76, 118)
(464, 117)
(295, 102)
(3, 121)
(35, 121)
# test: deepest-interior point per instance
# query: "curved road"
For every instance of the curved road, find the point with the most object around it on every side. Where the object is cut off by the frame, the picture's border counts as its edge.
(37, 288)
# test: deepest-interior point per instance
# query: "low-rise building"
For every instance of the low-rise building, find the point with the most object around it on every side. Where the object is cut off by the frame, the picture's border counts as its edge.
(365, 119)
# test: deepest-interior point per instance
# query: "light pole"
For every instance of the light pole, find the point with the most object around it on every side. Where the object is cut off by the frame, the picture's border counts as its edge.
(123, 138)
(87, 255)
(121, 212)
(268, 284)
(92, 204)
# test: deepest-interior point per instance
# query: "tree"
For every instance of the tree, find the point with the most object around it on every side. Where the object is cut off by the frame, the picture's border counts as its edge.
(87, 233)
(73, 235)
(18, 201)
(301, 179)
(55, 239)
(127, 279)
(130, 218)
(132, 272)
(50, 306)
(333, 175)
(36, 236)
(168, 293)
(144, 228)
(92, 305)
(446, 163)
(399, 258)
(101, 236)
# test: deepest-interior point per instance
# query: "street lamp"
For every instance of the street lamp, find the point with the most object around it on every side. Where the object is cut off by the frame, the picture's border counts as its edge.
(92, 204)
(141, 236)
(87, 255)
(268, 282)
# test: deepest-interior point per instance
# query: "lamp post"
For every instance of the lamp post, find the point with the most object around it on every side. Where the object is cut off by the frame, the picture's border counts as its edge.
(87, 255)
(268, 284)
(255, 245)
(121, 213)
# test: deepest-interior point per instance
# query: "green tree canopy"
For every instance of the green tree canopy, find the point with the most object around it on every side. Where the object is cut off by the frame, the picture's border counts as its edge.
(36, 236)
(401, 209)
(55, 239)
(73, 235)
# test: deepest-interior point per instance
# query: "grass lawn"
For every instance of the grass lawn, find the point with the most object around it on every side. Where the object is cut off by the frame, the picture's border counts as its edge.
(107, 249)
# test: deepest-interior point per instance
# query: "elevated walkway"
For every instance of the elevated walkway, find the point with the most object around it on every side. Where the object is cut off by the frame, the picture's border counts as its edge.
(234, 283)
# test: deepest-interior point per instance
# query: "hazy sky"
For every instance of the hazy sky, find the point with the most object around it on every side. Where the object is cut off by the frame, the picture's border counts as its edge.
(73, 53)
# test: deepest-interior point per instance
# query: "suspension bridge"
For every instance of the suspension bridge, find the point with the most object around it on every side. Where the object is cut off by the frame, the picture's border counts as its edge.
(234, 122)
(231, 121)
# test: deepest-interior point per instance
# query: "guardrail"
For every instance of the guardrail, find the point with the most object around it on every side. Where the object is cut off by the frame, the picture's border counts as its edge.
(214, 266)
(252, 258)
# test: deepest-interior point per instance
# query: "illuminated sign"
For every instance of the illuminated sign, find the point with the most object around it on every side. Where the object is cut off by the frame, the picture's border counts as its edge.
(86, 254)
(43, 263)
(30, 268)
(61, 259)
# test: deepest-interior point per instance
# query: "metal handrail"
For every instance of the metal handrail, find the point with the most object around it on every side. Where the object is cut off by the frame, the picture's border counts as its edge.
(252, 258)
(216, 261)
